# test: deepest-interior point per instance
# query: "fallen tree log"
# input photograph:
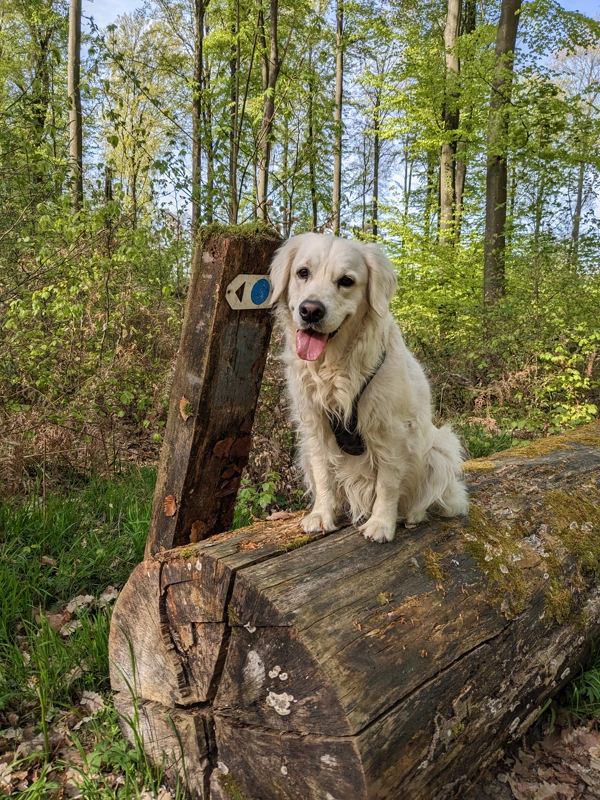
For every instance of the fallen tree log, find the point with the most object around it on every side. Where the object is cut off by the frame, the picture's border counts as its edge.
(272, 664)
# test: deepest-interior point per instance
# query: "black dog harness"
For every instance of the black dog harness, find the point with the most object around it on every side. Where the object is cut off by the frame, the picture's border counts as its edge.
(348, 436)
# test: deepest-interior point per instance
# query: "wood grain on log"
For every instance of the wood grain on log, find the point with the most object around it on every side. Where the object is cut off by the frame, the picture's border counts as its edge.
(216, 384)
(349, 670)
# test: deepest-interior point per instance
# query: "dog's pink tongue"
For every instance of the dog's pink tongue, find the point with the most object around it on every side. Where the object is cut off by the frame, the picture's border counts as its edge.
(310, 344)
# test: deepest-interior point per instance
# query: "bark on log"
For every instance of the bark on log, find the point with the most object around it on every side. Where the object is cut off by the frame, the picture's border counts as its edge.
(332, 667)
(215, 389)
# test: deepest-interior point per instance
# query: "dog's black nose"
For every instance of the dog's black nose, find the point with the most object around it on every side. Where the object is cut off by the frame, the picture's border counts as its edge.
(311, 310)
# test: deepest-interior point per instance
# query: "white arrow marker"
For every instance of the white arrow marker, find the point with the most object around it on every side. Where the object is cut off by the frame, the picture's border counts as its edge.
(256, 294)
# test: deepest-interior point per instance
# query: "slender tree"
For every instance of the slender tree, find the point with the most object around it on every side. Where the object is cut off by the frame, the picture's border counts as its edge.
(451, 122)
(337, 116)
(311, 144)
(207, 120)
(198, 86)
(75, 117)
(234, 114)
(270, 73)
(468, 25)
(577, 214)
(376, 157)
(497, 148)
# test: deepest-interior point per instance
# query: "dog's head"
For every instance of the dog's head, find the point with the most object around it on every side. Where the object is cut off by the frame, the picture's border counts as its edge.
(322, 281)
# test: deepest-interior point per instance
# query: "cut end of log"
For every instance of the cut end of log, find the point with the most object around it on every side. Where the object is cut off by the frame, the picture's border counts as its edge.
(311, 666)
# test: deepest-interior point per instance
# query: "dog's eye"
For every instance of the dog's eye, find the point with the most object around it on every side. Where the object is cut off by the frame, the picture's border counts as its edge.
(346, 281)
(303, 273)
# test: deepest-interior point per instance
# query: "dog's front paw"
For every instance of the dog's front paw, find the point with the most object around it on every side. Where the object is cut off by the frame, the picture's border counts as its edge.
(378, 530)
(316, 522)
(413, 518)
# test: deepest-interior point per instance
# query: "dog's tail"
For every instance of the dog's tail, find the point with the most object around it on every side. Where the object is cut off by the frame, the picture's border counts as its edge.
(441, 486)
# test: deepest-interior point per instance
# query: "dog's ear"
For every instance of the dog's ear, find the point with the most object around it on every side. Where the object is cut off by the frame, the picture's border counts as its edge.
(383, 280)
(280, 268)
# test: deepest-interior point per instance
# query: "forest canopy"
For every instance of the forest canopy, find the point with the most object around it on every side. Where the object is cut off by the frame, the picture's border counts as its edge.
(463, 136)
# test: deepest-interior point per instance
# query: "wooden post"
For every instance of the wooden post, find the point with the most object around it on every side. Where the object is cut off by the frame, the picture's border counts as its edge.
(216, 384)
(280, 665)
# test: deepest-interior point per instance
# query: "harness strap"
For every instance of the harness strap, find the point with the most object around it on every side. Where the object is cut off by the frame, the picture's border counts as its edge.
(347, 435)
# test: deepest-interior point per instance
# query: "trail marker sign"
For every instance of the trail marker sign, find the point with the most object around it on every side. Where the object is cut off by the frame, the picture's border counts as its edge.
(247, 292)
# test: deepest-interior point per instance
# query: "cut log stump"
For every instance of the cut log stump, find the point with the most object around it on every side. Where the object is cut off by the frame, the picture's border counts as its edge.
(272, 664)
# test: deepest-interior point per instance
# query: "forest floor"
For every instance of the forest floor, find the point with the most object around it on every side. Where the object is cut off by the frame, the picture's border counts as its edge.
(64, 555)
(556, 759)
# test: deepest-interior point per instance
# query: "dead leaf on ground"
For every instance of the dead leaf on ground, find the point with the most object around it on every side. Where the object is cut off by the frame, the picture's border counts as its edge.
(73, 782)
(163, 794)
(107, 596)
(56, 621)
(37, 744)
(5, 777)
(78, 602)
(169, 505)
(70, 627)
(13, 733)
(562, 765)
(92, 702)
(51, 562)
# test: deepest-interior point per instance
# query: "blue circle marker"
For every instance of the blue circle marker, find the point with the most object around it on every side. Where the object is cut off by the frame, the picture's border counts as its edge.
(260, 291)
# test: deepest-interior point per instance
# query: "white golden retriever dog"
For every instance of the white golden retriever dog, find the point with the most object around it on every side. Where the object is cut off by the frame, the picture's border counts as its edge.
(360, 399)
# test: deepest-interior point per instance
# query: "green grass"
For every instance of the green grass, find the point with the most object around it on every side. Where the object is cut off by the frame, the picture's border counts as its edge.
(82, 541)
(582, 695)
(480, 443)
(96, 535)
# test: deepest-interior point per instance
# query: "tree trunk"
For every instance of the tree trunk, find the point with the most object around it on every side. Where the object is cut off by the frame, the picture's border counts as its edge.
(469, 22)
(537, 229)
(293, 666)
(451, 121)
(364, 180)
(75, 117)
(460, 175)
(495, 219)
(214, 394)
(469, 17)
(376, 155)
(577, 215)
(312, 147)
(198, 86)
(337, 117)
(208, 144)
(40, 89)
(430, 196)
(234, 140)
(286, 178)
(270, 73)
(408, 170)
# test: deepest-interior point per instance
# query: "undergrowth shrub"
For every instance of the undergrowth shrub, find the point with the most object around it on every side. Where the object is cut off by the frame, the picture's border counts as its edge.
(90, 328)
(529, 365)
